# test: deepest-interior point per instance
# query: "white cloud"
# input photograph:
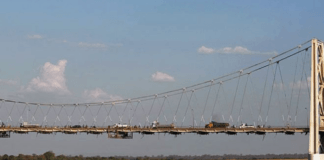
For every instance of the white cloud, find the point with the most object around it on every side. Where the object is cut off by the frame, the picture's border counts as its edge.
(8, 82)
(237, 49)
(301, 84)
(51, 79)
(162, 77)
(98, 95)
(35, 36)
(234, 50)
(92, 45)
(205, 50)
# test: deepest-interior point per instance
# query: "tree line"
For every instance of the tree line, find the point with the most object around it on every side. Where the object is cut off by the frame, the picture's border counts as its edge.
(51, 156)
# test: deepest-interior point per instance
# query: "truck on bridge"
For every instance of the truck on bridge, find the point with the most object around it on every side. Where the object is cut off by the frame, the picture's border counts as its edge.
(214, 124)
(156, 125)
(27, 125)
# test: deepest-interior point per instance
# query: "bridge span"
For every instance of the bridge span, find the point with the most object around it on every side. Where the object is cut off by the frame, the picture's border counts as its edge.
(272, 92)
(174, 131)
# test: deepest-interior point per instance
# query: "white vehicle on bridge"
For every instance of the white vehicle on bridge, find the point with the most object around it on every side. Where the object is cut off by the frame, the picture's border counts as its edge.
(118, 125)
(157, 124)
(27, 125)
(244, 125)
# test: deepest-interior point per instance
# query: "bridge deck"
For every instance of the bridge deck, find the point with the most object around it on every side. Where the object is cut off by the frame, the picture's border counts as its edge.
(49, 130)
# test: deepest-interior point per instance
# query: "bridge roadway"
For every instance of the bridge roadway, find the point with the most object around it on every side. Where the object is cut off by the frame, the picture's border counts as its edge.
(174, 131)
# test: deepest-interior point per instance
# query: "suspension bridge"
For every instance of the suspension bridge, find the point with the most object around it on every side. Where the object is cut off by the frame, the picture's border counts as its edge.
(281, 94)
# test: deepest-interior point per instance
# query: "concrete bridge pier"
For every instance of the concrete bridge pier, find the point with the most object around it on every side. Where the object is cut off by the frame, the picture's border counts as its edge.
(316, 117)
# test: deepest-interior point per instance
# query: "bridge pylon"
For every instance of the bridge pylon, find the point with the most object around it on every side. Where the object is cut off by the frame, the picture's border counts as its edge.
(316, 119)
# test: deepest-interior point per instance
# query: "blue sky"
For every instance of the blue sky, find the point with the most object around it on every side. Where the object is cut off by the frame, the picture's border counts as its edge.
(114, 48)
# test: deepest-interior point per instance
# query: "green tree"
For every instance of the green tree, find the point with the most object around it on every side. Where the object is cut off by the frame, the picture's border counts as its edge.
(41, 157)
(49, 155)
(12, 157)
(5, 157)
(20, 157)
(61, 157)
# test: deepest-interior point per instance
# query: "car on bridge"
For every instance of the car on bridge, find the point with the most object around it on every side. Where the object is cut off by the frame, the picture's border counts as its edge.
(261, 126)
(76, 126)
(118, 125)
(214, 124)
(244, 125)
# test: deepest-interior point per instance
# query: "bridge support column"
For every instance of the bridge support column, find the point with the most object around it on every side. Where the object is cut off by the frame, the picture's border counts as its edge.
(316, 117)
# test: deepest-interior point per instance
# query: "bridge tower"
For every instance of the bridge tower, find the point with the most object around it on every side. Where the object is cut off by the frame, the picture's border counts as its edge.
(316, 119)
